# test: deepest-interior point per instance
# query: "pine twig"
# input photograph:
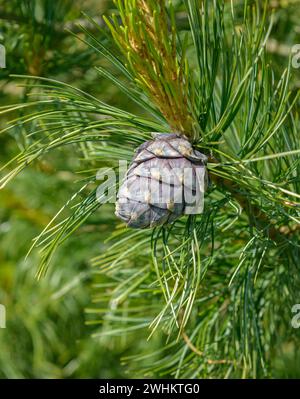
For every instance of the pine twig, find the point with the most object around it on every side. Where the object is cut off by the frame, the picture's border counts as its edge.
(257, 218)
(149, 45)
(201, 354)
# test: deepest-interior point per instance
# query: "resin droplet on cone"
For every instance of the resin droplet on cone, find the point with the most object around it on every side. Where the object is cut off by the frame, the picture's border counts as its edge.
(166, 179)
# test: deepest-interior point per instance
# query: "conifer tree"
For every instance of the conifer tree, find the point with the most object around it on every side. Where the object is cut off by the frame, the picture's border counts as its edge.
(214, 292)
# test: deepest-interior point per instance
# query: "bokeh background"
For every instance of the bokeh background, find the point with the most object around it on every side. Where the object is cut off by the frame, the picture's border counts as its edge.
(48, 333)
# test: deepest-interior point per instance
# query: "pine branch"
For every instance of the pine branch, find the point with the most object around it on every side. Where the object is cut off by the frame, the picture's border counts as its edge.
(257, 218)
(212, 284)
(149, 45)
(144, 39)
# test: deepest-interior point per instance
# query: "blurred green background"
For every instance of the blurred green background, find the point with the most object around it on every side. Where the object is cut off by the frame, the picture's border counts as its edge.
(47, 334)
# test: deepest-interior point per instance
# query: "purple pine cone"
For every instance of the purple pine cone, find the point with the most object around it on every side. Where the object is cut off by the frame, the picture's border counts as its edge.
(166, 179)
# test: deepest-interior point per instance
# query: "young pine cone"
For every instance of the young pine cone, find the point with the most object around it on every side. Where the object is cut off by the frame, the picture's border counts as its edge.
(166, 179)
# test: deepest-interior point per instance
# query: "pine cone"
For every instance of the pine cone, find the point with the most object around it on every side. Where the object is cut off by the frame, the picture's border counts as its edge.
(166, 179)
